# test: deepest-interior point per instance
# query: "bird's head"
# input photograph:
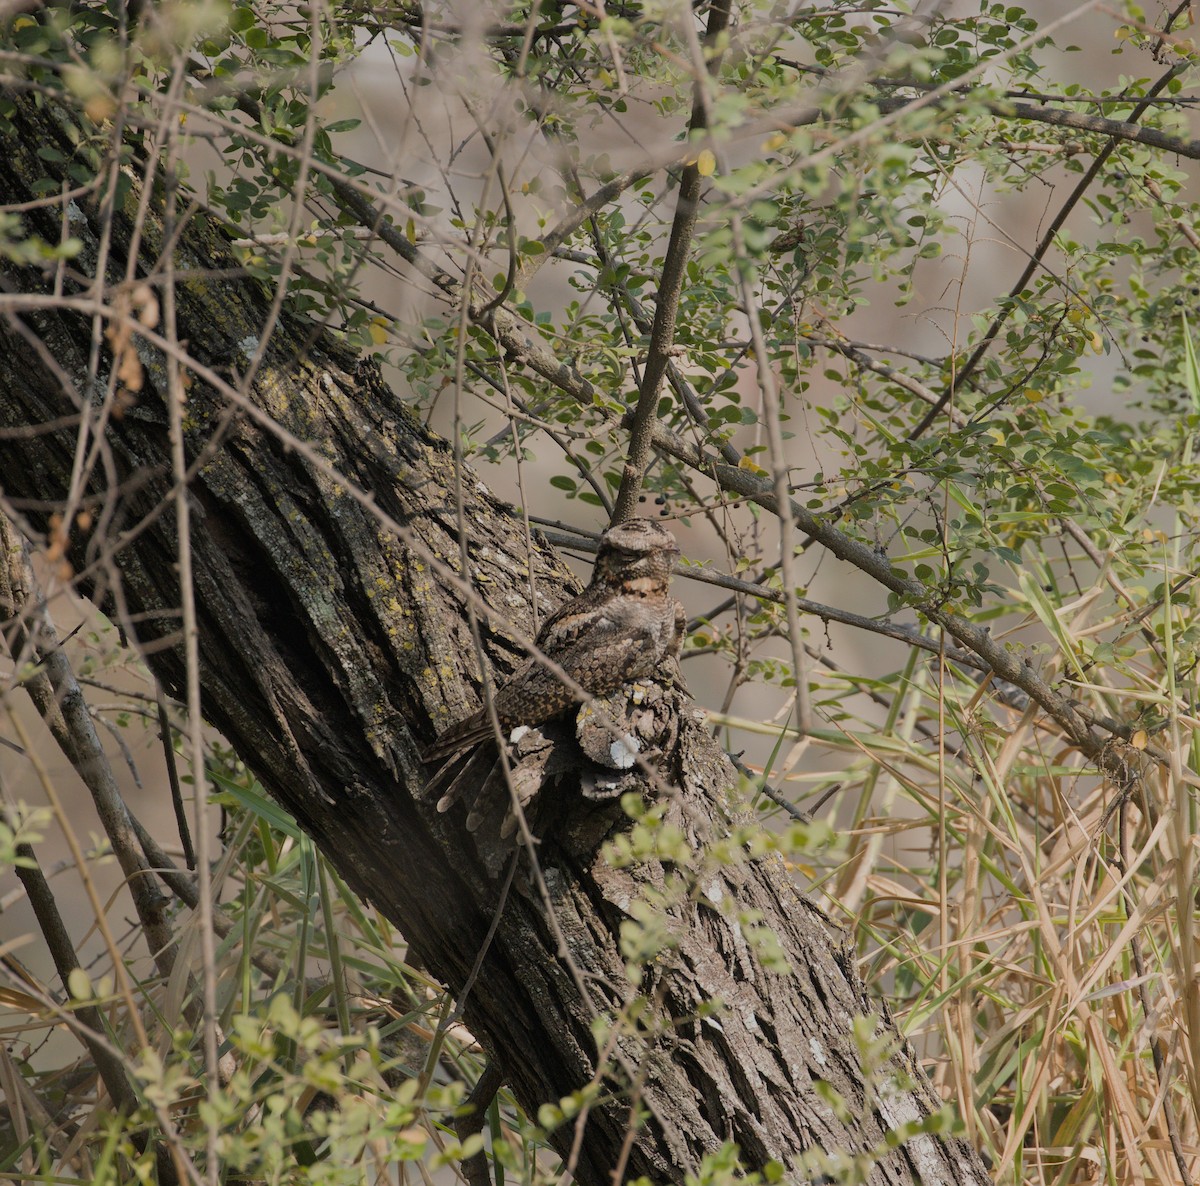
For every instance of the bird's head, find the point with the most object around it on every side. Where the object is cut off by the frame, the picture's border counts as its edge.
(640, 550)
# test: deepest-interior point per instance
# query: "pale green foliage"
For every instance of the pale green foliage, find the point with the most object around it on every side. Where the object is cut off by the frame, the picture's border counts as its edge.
(19, 825)
(307, 1100)
(972, 866)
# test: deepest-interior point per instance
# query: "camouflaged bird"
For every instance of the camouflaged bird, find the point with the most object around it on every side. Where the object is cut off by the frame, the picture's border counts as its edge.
(620, 628)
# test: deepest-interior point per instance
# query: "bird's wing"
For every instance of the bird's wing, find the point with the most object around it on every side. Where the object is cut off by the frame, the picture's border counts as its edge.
(598, 646)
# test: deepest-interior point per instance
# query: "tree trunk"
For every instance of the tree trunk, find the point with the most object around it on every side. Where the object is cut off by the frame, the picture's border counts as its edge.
(334, 645)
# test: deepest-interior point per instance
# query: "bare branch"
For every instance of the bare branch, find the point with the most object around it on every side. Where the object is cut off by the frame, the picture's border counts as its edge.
(670, 286)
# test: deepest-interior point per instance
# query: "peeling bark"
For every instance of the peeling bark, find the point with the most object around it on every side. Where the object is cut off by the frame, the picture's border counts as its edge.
(333, 649)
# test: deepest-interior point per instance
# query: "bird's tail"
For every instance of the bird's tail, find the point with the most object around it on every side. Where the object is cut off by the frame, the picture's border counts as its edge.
(465, 735)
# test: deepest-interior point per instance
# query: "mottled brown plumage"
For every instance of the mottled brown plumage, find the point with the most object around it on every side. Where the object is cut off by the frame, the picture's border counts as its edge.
(619, 628)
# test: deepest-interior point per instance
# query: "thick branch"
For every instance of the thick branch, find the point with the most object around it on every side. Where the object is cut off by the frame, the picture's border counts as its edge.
(332, 648)
(876, 565)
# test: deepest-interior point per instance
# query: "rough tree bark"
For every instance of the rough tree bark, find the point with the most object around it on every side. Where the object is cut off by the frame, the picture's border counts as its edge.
(333, 648)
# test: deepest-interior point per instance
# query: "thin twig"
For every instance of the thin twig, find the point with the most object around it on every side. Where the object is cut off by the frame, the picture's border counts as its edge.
(471, 1119)
(1139, 963)
(85, 1020)
(175, 399)
(166, 737)
(967, 370)
(670, 285)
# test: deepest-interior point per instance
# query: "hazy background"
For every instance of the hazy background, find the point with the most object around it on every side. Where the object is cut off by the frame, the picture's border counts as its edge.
(426, 136)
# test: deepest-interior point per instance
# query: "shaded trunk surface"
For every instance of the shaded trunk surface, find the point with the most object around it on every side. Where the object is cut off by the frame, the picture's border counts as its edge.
(334, 646)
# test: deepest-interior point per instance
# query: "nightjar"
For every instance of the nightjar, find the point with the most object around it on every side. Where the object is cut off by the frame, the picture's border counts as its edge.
(618, 629)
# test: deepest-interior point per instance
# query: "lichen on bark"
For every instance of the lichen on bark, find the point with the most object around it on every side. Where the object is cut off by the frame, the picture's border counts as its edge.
(335, 645)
